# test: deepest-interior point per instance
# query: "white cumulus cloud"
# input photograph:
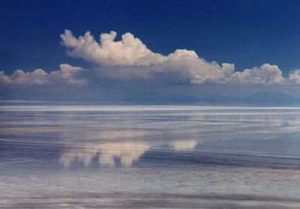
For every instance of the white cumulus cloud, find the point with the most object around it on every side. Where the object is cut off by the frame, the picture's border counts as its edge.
(294, 76)
(265, 74)
(129, 58)
(128, 51)
(66, 74)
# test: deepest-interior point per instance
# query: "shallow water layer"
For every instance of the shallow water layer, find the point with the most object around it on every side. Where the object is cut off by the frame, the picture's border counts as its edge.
(89, 156)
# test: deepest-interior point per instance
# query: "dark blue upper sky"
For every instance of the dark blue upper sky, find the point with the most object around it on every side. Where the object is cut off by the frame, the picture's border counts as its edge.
(247, 33)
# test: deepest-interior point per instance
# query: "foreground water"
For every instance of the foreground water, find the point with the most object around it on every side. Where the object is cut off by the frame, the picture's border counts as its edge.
(75, 156)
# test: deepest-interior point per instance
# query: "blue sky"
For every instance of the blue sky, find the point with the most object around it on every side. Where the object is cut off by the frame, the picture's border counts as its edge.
(246, 33)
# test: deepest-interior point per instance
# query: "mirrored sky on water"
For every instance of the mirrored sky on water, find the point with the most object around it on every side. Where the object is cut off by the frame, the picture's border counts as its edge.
(64, 156)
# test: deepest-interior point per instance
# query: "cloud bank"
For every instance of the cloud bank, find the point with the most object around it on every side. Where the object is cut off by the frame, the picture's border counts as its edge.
(130, 58)
(127, 61)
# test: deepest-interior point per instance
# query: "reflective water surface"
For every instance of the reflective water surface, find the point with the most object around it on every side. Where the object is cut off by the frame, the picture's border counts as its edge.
(93, 156)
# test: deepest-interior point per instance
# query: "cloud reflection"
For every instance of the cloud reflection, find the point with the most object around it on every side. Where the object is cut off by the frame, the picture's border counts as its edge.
(107, 153)
(184, 145)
